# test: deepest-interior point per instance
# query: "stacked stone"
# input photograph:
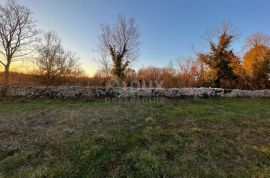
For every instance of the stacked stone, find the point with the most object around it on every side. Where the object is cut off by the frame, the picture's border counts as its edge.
(121, 92)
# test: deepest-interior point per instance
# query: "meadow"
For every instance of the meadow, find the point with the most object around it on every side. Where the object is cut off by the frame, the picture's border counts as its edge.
(215, 137)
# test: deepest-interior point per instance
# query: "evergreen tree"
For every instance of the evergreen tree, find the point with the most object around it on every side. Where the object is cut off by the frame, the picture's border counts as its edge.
(220, 59)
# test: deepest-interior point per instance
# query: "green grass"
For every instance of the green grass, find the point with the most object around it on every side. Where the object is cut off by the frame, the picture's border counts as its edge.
(218, 137)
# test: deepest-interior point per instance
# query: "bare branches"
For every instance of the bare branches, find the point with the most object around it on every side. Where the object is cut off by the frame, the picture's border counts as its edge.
(17, 29)
(121, 43)
(3, 63)
(17, 33)
(226, 27)
(54, 61)
(257, 39)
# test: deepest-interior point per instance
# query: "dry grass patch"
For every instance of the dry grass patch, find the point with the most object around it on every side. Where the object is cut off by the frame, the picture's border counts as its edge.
(183, 138)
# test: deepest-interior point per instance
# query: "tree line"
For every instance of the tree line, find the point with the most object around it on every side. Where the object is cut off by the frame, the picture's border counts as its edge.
(119, 44)
(219, 66)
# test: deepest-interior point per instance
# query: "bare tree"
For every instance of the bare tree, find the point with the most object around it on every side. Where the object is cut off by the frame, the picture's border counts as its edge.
(54, 62)
(257, 39)
(17, 33)
(105, 64)
(190, 73)
(121, 43)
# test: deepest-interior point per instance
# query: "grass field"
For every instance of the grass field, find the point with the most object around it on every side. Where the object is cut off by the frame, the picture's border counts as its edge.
(183, 138)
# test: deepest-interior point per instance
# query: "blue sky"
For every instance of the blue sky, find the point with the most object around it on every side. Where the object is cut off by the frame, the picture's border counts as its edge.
(170, 28)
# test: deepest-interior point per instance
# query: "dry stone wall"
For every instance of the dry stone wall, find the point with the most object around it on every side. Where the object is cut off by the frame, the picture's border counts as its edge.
(121, 92)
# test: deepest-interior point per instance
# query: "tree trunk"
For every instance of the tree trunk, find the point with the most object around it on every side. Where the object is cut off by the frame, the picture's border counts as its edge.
(6, 80)
(217, 82)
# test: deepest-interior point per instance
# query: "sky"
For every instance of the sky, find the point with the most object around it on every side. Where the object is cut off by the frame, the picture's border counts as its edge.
(169, 28)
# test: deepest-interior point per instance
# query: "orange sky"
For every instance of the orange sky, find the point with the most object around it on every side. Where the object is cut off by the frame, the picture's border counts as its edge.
(26, 67)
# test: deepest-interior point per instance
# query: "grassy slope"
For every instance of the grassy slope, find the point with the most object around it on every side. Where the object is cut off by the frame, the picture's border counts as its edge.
(184, 138)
